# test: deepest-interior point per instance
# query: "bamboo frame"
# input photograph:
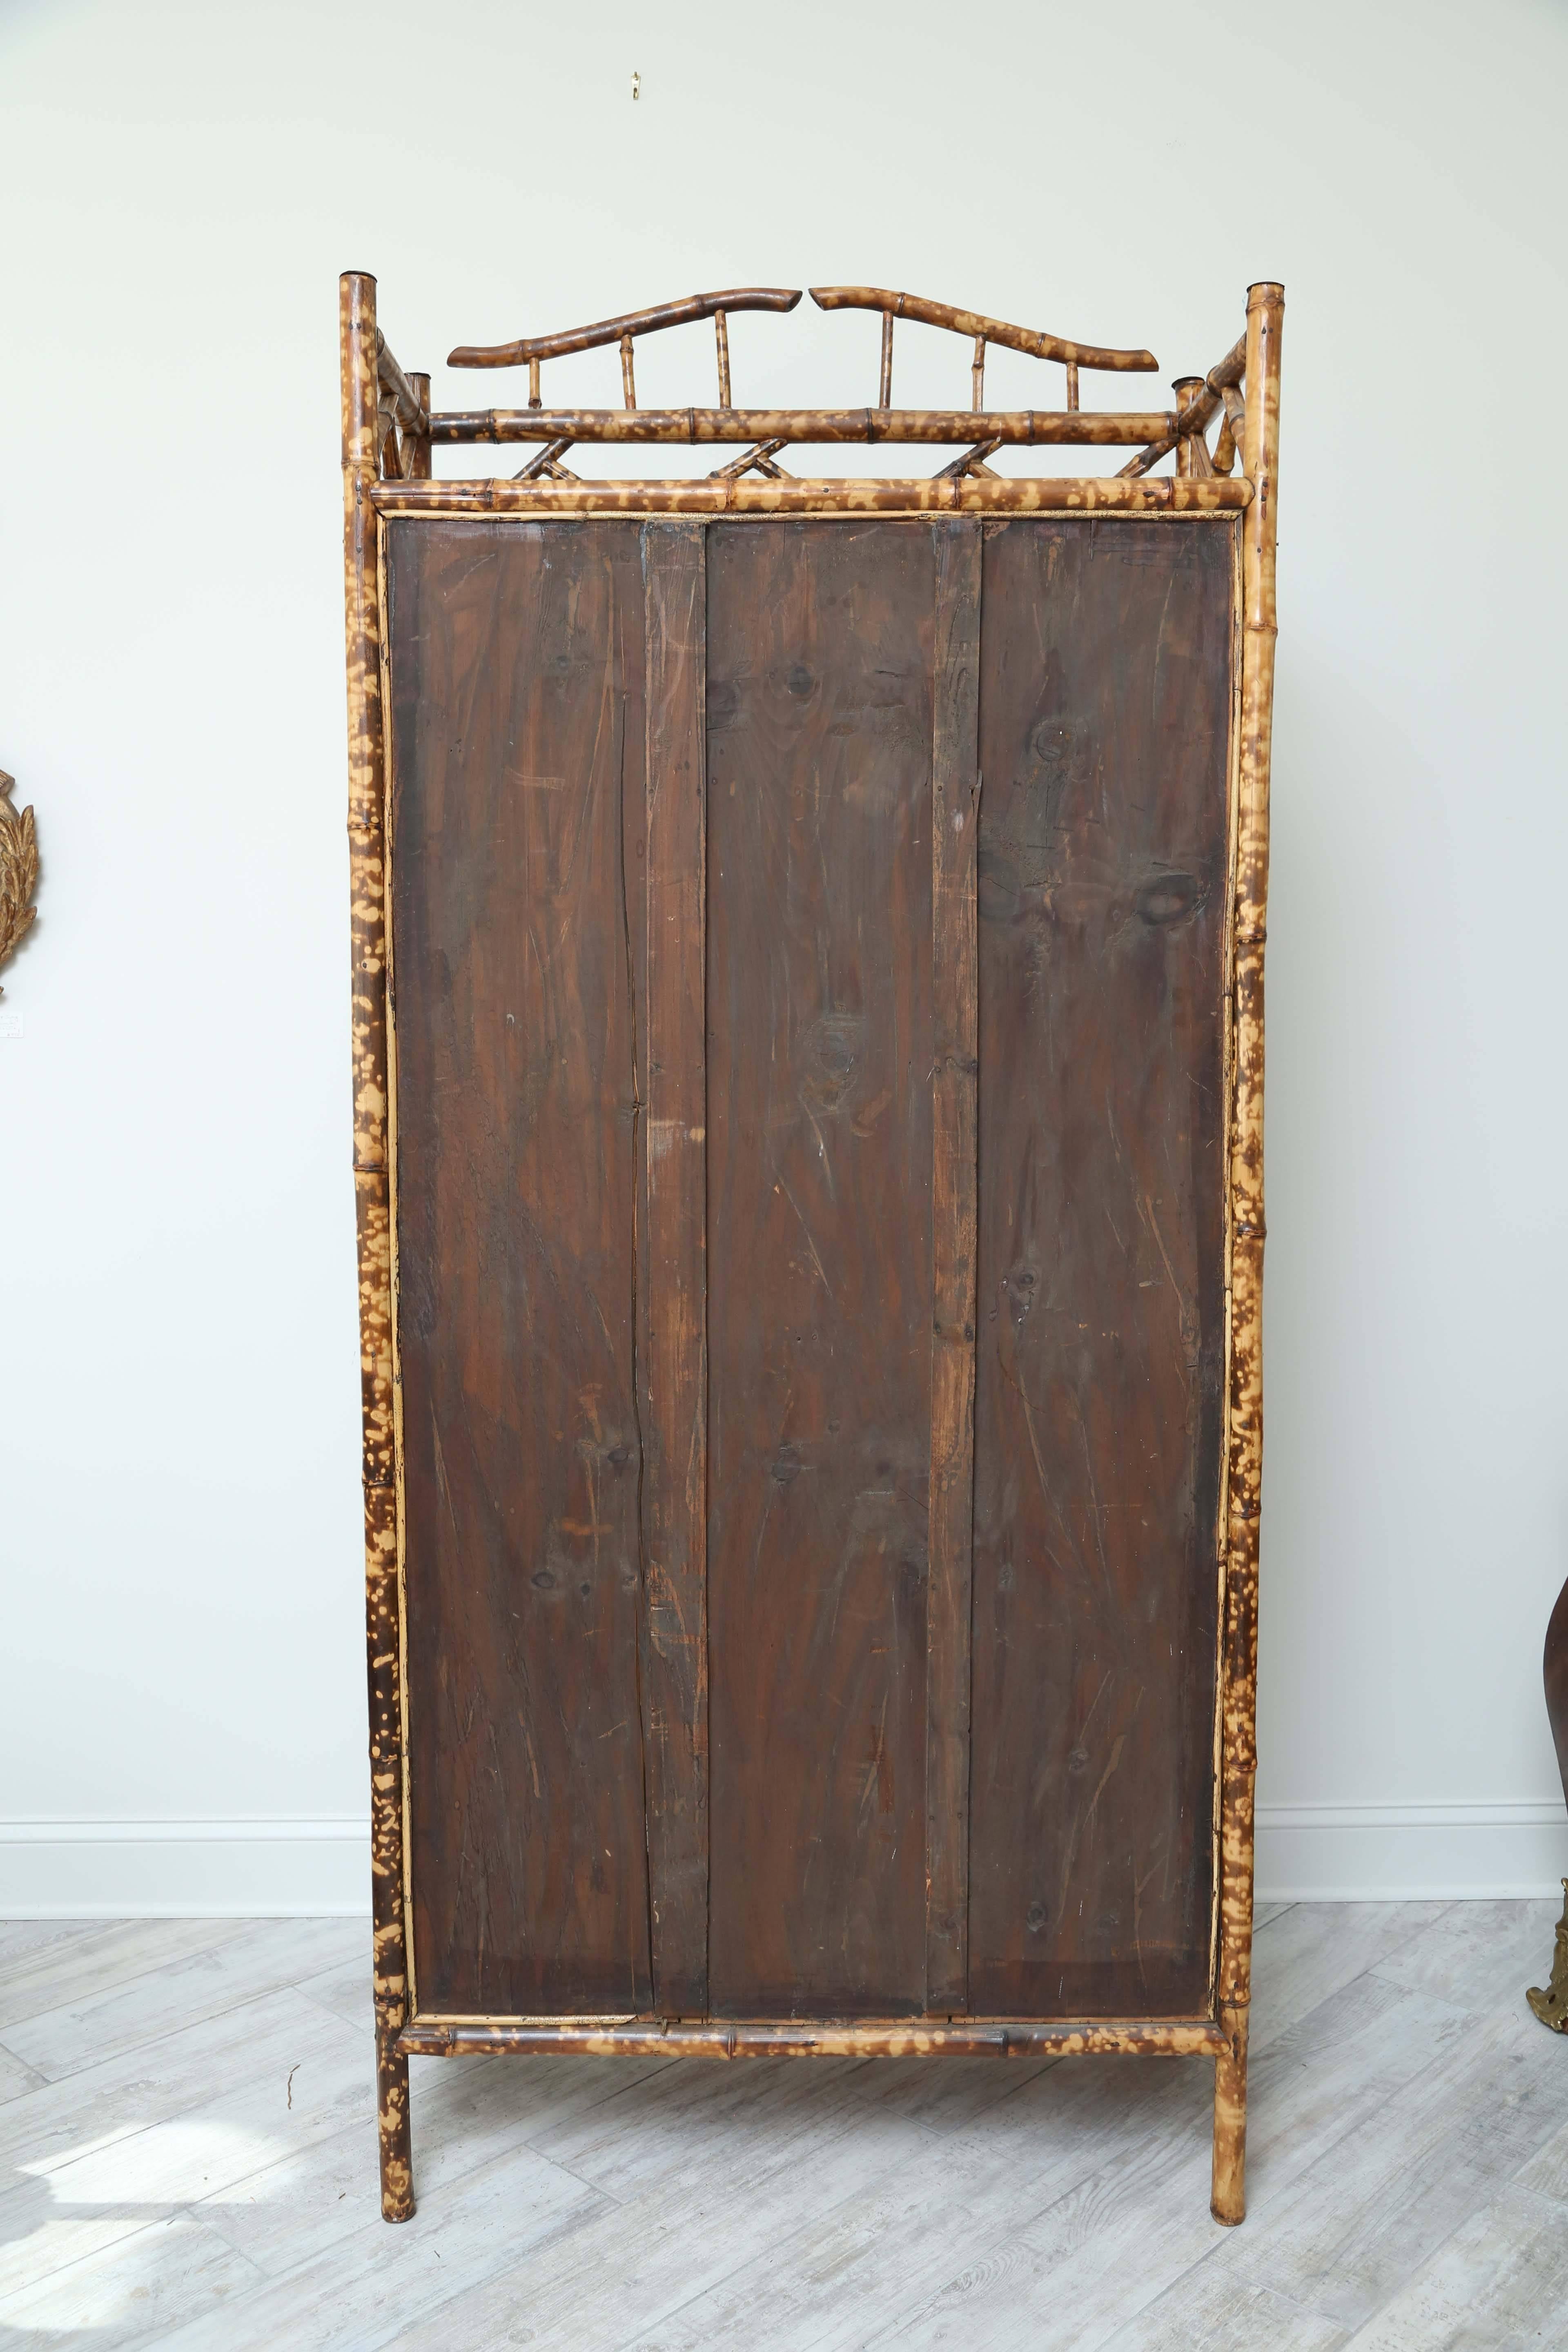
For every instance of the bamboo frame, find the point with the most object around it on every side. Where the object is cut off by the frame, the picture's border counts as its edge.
(388, 434)
(600, 2037)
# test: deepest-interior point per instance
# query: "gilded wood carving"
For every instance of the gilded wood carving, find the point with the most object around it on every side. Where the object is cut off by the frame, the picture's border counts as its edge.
(18, 869)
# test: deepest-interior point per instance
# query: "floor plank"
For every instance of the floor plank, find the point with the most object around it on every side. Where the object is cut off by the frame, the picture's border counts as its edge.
(1500, 2284)
(187, 2158)
(87, 1963)
(266, 1956)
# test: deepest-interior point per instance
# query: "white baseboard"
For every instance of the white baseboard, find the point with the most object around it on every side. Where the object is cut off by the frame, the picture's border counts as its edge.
(1410, 1853)
(285, 1869)
(185, 1870)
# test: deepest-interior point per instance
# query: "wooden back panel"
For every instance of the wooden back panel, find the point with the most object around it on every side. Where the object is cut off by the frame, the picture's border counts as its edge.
(685, 1246)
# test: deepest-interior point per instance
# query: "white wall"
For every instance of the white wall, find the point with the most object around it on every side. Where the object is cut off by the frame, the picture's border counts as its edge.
(182, 1716)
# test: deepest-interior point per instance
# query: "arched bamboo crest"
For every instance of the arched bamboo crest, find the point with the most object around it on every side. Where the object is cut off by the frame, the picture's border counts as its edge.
(1220, 435)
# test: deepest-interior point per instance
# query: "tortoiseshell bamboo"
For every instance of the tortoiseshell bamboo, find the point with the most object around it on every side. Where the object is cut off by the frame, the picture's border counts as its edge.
(386, 412)
(972, 323)
(1026, 427)
(533, 348)
(1191, 450)
(1225, 447)
(1046, 494)
(760, 458)
(871, 2038)
(1238, 1750)
(361, 434)
(1228, 2196)
(885, 374)
(416, 439)
(1225, 374)
(401, 396)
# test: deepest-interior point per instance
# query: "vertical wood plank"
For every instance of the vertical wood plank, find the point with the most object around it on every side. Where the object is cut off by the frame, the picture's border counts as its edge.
(672, 1342)
(820, 646)
(517, 673)
(1105, 724)
(955, 801)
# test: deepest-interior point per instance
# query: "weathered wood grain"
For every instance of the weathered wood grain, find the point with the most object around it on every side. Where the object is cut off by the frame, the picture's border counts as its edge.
(955, 805)
(517, 683)
(672, 1286)
(1104, 733)
(819, 1115)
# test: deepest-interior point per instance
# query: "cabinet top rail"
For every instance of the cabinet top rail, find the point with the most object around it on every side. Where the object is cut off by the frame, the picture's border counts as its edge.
(1038, 346)
(615, 330)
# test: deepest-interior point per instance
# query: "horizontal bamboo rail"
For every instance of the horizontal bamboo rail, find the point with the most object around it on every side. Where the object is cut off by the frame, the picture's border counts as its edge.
(973, 323)
(1045, 494)
(872, 2038)
(533, 348)
(1015, 428)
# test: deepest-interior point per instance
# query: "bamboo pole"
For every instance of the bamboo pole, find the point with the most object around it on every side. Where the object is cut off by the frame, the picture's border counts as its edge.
(1188, 390)
(361, 430)
(1025, 427)
(937, 493)
(611, 2037)
(885, 375)
(658, 315)
(973, 322)
(1238, 1750)
(417, 443)
(1225, 374)
(721, 340)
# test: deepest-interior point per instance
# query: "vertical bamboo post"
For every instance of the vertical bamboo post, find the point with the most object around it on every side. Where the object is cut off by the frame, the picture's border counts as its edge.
(1238, 1752)
(356, 326)
(1187, 389)
(977, 375)
(535, 398)
(884, 377)
(721, 338)
(629, 382)
(1072, 383)
(416, 445)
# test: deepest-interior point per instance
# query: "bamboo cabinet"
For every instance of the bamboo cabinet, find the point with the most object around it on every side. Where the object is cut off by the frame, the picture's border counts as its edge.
(808, 1092)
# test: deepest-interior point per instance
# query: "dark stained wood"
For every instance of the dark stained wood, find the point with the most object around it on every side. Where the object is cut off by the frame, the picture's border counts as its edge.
(955, 801)
(516, 660)
(1104, 729)
(819, 1115)
(672, 1273)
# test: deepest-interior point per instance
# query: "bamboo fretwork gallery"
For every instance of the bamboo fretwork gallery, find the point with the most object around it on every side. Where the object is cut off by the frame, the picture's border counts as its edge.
(809, 1139)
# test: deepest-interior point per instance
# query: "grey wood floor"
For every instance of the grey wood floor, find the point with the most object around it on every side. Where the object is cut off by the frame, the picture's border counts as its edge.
(186, 2112)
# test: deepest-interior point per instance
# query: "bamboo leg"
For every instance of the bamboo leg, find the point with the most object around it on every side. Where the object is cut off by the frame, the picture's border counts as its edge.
(1228, 2202)
(392, 2117)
